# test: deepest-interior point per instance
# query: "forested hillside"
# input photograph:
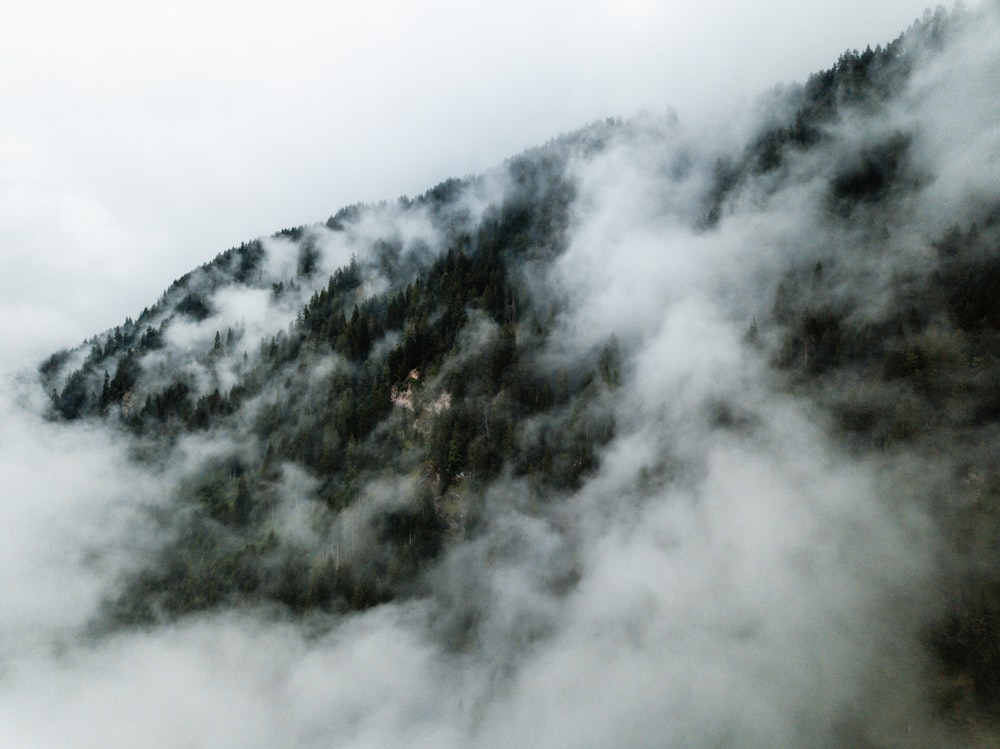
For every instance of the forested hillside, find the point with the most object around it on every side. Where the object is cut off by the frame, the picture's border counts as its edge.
(733, 393)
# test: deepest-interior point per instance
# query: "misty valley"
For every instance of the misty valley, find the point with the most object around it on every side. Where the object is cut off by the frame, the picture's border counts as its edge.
(645, 437)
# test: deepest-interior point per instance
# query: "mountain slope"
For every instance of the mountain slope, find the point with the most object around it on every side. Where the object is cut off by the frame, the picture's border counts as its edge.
(635, 403)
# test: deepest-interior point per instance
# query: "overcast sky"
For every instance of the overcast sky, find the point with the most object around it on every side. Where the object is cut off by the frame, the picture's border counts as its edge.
(138, 140)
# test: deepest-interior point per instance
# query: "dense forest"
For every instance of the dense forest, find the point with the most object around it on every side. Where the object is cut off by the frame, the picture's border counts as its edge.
(345, 410)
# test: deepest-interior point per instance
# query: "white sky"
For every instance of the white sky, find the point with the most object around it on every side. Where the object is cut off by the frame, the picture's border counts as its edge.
(137, 141)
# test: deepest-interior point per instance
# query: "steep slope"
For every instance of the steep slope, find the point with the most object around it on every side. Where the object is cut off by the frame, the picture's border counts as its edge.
(727, 409)
(411, 369)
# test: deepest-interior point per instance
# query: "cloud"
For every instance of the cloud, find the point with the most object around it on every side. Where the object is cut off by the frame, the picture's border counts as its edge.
(727, 577)
(232, 682)
(76, 516)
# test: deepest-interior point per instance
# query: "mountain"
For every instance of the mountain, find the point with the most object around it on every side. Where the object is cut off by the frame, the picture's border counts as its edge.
(716, 412)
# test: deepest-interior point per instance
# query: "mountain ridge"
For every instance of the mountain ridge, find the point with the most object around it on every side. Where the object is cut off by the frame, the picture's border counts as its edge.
(349, 410)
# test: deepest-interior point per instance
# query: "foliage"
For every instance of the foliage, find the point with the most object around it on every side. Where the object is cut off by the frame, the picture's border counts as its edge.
(431, 365)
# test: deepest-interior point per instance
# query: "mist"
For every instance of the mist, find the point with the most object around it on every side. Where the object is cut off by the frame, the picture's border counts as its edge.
(730, 573)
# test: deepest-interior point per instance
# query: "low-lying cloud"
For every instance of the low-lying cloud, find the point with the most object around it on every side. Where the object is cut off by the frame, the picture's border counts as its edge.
(729, 575)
